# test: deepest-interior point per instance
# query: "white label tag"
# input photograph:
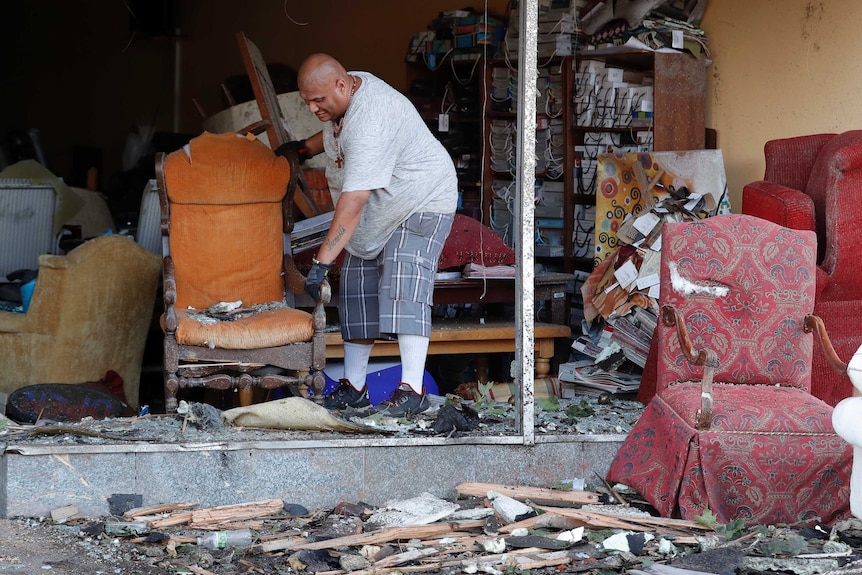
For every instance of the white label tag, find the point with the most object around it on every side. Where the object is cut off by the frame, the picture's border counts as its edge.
(443, 123)
(645, 223)
(677, 39)
(693, 199)
(647, 281)
(626, 274)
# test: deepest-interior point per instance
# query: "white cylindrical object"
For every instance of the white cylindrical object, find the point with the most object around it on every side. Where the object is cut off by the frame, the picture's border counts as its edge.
(225, 539)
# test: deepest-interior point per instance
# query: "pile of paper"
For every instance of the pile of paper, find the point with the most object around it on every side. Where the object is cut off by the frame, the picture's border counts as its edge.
(621, 294)
(589, 379)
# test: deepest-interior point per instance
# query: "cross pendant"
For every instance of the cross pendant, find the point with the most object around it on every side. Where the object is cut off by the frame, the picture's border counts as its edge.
(338, 162)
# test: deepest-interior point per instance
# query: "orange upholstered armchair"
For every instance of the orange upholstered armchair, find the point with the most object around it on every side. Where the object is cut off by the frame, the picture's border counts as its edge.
(226, 203)
(814, 182)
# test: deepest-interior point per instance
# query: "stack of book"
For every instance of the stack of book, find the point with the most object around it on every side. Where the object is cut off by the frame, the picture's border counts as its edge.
(633, 333)
(478, 271)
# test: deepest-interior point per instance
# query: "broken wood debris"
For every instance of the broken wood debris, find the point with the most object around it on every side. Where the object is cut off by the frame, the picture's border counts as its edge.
(541, 495)
(375, 537)
(472, 538)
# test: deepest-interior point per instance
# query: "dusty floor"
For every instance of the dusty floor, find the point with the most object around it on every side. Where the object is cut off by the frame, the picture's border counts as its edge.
(31, 547)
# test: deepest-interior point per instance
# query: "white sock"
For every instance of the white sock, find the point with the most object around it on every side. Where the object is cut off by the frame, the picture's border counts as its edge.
(356, 357)
(414, 350)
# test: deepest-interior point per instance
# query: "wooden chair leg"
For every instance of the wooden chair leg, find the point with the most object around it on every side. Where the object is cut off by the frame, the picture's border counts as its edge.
(245, 396)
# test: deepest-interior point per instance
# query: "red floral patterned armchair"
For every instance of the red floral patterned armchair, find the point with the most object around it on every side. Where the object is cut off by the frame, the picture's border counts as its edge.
(813, 183)
(733, 426)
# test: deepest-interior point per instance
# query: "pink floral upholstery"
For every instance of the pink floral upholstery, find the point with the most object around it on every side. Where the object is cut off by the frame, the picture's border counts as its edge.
(770, 454)
(813, 182)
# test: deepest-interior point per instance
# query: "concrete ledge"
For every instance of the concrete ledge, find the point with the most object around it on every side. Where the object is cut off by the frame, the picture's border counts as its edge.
(315, 473)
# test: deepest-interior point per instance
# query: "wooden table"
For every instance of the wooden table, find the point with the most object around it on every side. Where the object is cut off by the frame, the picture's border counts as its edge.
(548, 287)
(462, 337)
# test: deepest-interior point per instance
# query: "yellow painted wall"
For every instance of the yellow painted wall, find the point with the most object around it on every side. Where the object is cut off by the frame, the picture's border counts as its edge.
(781, 68)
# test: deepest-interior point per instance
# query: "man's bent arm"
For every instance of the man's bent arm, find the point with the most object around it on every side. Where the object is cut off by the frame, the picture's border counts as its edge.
(347, 213)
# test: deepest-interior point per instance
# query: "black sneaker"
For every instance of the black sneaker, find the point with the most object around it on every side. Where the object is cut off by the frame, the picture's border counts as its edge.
(404, 401)
(345, 395)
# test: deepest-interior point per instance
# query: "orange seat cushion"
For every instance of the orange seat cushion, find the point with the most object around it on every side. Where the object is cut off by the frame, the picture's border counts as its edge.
(270, 328)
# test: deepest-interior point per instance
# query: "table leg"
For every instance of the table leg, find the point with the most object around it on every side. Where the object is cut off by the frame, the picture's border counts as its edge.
(481, 360)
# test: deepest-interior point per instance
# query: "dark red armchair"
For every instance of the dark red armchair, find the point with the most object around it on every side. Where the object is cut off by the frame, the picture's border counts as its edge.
(815, 183)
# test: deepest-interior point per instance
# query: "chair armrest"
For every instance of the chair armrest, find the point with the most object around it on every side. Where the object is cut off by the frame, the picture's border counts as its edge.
(784, 206)
(296, 281)
(815, 325)
(702, 357)
(841, 217)
(255, 128)
(169, 295)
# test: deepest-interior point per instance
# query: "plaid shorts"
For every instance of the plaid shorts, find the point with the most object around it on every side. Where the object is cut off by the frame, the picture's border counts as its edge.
(393, 293)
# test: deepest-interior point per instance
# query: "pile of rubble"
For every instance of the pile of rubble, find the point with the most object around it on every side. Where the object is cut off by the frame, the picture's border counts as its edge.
(489, 528)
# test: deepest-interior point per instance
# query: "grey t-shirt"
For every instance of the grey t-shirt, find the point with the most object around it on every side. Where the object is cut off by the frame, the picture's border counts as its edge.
(389, 150)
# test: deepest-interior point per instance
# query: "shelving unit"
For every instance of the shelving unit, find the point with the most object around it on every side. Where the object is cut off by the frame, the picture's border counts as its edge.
(554, 186)
(454, 89)
(465, 90)
(667, 86)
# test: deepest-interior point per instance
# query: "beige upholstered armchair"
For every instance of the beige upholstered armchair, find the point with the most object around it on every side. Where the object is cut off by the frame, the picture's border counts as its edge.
(90, 313)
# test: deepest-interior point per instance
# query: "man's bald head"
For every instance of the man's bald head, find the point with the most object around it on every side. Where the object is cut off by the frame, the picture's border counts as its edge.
(325, 86)
(320, 70)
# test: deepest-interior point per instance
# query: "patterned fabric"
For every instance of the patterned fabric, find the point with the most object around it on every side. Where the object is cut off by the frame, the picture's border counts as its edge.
(756, 329)
(771, 454)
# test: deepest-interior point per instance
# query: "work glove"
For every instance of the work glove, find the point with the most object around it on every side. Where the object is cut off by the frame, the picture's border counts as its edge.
(298, 146)
(315, 277)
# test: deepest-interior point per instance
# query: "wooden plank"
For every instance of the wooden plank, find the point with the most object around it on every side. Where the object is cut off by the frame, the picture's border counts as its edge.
(176, 518)
(157, 509)
(270, 109)
(373, 537)
(519, 558)
(595, 519)
(540, 495)
(543, 521)
(471, 331)
(214, 516)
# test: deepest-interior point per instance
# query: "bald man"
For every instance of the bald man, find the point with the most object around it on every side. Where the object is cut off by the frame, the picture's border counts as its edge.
(395, 193)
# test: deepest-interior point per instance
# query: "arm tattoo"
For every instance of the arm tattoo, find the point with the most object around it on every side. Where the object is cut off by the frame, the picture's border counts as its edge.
(337, 238)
